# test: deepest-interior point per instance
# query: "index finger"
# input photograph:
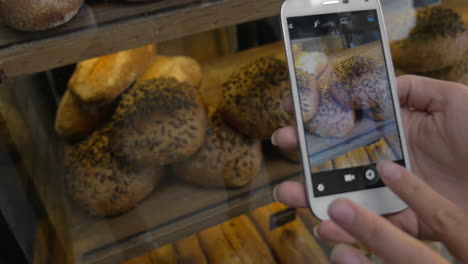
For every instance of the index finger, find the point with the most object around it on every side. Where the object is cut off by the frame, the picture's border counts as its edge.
(441, 216)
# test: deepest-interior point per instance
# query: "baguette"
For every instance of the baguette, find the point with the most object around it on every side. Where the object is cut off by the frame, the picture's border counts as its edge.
(164, 255)
(217, 247)
(292, 242)
(189, 251)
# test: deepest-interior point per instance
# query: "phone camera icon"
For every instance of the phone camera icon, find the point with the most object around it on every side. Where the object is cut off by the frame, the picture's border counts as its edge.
(344, 21)
(321, 187)
(370, 18)
(349, 177)
(370, 175)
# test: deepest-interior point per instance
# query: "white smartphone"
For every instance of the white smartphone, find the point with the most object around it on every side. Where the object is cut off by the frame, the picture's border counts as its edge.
(345, 99)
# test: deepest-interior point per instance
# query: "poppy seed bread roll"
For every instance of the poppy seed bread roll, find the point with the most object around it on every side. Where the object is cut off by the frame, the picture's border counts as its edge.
(439, 40)
(359, 83)
(99, 184)
(331, 119)
(252, 98)
(158, 121)
(34, 15)
(227, 159)
(309, 94)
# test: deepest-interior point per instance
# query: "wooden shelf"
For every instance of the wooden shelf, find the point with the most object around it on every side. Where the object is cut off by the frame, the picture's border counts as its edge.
(101, 28)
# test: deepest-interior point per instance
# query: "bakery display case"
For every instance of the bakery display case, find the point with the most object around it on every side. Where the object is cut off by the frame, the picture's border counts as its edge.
(138, 131)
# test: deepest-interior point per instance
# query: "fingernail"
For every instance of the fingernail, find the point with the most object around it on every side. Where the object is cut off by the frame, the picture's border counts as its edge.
(315, 232)
(342, 254)
(274, 193)
(273, 138)
(342, 212)
(389, 171)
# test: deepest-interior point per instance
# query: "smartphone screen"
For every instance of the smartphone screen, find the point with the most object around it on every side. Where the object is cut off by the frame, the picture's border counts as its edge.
(345, 96)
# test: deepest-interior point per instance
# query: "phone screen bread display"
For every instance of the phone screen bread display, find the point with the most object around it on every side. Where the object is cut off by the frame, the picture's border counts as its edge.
(345, 98)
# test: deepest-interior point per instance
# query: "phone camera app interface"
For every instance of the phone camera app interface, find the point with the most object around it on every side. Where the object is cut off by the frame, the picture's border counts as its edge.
(345, 98)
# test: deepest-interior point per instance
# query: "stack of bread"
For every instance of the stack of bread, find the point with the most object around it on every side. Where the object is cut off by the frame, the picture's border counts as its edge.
(437, 46)
(130, 114)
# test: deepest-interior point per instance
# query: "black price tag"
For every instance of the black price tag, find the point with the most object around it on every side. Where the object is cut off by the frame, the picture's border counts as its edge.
(282, 217)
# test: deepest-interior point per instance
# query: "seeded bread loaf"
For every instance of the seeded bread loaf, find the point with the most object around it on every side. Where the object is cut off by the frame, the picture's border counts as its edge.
(359, 83)
(313, 63)
(252, 98)
(99, 184)
(439, 40)
(227, 159)
(331, 119)
(159, 121)
(309, 94)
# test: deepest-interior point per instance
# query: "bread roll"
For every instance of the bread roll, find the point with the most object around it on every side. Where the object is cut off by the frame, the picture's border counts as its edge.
(359, 83)
(252, 98)
(34, 15)
(99, 184)
(439, 40)
(101, 80)
(76, 119)
(309, 94)
(227, 159)
(158, 121)
(457, 73)
(331, 119)
(313, 63)
(183, 69)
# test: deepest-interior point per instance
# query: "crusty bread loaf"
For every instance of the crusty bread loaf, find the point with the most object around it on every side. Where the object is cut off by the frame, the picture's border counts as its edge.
(34, 15)
(164, 255)
(457, 73)
(439, 40)
(158, 121)
(101, 80)
(292, 242)
(76, 119)
(183, 69)
(227, 159)
(252, 98)
(235, 241)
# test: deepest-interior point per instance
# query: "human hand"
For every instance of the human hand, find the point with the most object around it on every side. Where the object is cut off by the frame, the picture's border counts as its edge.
(433, 115)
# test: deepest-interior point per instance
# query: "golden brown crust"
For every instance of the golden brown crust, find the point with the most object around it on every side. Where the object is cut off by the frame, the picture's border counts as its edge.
(252, 98)
(227, 159)
(457, 73)
(33, 15)
(101, 80)
(183, 69)
(158, 121)
(439, 40)
(76, 119)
